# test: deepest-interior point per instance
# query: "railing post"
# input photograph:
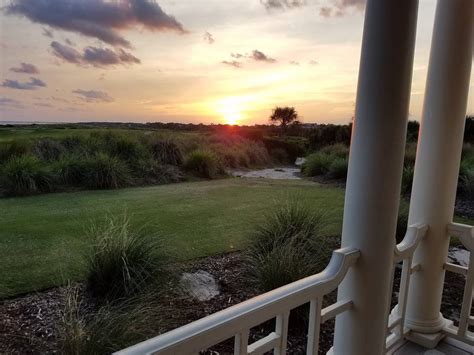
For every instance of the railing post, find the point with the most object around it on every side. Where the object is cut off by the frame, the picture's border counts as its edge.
(437, 162)
(375, 169)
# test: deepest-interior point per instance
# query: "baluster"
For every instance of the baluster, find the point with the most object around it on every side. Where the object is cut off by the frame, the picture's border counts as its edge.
(403, 295)
(467, 298)
(312, 346)
(241, 342)
(281, 330)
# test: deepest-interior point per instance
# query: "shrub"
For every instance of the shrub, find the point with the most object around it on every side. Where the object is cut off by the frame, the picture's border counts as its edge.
(123, 262)
(316, 164)
(280, 156)
(338, 168)
(108, 328)
(467, 184)
(25, 175)
(288, 246)
(402, 223)
(15, 148)
(167, 152)
(152, 172)
(106, 172)
(71, 169)
(410, 154)
(407, 179)
(203, 164)
(338, 150)
(48, 149)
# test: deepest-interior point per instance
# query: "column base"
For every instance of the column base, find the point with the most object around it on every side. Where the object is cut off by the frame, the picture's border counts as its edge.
(429, 341)
(426, 327)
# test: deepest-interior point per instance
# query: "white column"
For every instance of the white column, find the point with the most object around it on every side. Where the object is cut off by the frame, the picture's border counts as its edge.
(438, 157)
(375, 169)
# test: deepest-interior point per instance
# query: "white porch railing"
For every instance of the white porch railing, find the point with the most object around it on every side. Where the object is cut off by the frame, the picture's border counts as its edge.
(403, 253)
(465, 234)
(236, 321)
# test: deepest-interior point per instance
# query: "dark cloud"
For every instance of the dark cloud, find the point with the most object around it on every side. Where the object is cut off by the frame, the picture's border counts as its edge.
(99, 19)
(66, 53)
(313, 62)
(69, 42)
(339, 8)
(93, 95)
(261, 57)
(6, 102)
(232, 63)
(208, 38)
(47, 33)
(237, 55)
(33, 84)
(43, 104)
(104, 56)
(293, 62)
(25, 68)
(282, 4)
(98, 57)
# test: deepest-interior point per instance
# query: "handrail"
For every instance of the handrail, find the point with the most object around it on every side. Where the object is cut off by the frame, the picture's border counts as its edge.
(403, 251)
(415, 233)
(465, 233)
(228, 323)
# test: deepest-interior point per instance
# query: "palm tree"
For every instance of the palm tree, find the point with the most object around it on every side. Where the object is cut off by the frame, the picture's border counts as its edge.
(284, 116)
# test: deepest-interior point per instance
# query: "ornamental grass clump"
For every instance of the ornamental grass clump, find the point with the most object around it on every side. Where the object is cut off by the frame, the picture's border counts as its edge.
(123, 262)
(289, 245)
(25, 175)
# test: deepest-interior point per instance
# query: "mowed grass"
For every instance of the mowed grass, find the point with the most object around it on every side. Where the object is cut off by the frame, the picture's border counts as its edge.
(43, 239)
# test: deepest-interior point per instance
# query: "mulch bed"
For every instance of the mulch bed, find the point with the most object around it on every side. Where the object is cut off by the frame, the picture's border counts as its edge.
(27, 323)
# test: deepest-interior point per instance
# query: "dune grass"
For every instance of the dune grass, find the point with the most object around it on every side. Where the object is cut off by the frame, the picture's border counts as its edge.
(43, 238)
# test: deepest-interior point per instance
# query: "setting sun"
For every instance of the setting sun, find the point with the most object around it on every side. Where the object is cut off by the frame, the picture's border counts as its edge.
(230, 108)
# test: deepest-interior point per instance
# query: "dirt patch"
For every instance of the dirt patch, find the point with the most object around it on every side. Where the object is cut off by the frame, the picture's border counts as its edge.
(28, 323)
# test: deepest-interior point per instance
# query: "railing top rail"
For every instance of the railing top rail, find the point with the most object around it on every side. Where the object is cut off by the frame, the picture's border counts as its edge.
(222, 325)
(464, 232)
(415, 233)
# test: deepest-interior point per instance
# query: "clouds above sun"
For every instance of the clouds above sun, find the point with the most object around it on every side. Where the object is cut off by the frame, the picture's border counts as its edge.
(186, 61)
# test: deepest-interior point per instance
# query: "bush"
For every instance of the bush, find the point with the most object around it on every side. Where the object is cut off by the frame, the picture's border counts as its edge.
(110, 327)
(410, 154)
(203, 164)
(25, 175)
(152, 172)
(280, 156)
(288, 246)
(316, 164)
(106, 172)
(402, 224)
(48, 149)
(467, 184)
(14, 149)
(71, 169)
(167, 152)
(407, 179)
(338, 150)
(338, 168)
(123, 262)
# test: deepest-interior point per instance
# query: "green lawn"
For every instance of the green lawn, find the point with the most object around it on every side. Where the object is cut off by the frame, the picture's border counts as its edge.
(42, 239)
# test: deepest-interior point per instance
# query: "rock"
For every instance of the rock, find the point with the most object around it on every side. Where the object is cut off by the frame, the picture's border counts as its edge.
(300, 161)
(200, 285)
(459, 256)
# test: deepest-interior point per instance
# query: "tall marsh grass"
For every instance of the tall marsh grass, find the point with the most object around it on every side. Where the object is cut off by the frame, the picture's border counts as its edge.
(289, 245)
(123, 262)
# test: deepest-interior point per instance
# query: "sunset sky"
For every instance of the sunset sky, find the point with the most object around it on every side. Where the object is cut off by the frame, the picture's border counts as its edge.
(187, 60)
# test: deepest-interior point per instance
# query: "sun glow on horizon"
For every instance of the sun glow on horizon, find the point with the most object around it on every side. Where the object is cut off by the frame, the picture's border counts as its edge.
(231, 108)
